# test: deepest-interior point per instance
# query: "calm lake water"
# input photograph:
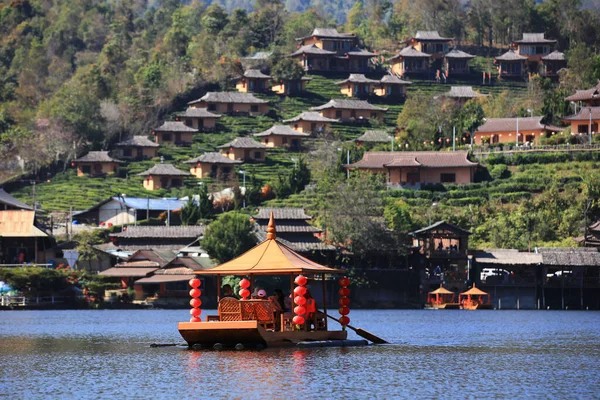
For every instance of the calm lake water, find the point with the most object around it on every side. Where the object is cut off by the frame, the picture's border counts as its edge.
(434, 354)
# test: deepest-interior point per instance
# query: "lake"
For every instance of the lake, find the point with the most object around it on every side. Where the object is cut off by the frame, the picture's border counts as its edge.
(434, 354)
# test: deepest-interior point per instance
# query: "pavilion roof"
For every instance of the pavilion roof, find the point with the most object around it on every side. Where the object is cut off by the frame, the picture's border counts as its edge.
(459, 54)
(554, 56)
(97, 157)
(310, 116)
(440, 225)
(281, 130)
(356, 78)
(137, 141)
(410, 51)
(441, 290)
(312, 49)
(511, 55)
(475, 291)
(271, 257)
(529, 38)
(584, 114)
(431, 35)
(587, 94)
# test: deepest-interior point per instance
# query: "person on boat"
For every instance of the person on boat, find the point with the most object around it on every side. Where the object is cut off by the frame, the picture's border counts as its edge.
(227, 291)
(259, 294)
(311, 310)
(278, 300)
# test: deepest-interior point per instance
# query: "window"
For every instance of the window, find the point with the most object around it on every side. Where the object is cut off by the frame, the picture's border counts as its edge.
(257, 155)
(175, 182)
(254, 108)
(448, 178)
(338, 114)
(188, 122)
(127, 153)
(284, 140)
(373, 115)
(212, 107)
(166, 137)
(86, 169)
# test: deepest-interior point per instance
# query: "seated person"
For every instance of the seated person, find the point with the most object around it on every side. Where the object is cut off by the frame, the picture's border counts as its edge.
(227, 291)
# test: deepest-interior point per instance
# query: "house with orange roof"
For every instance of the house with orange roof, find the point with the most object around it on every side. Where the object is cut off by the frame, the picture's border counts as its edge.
(513, 130)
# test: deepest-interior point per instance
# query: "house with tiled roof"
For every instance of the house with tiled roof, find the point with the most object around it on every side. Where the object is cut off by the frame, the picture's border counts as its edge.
(510, 64)
(310, 122)
(214, 165)
(253, 80)
(353, 111)
(374, 136)
(357, 85)
(410, 61)
(172, 238)
(231, 103)
(7, 202)
(22, 239)
(552, 63)
(391, 86)
(513, 130)
(290, 86)
(137, 148)
(244, 149)
(430, 42)
(462, 94)
(199, 118)
(589, 97)
(175, 133)
(282, 136)
(163, 176)
(534, 46)
(413, 169)
(456, 62)
(586, 120)
(96, 163)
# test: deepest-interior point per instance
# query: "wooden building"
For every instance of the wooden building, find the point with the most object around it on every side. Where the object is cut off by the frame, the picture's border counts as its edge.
(462, 94)
(175, 133)
(350, 111)
(199, 118)
(310, 122)
(357, 85)
(391, 86)
(253, 80)
(506, 130)
(163, 176)
(22, 241)
(244, 149)
(373, 137)
(410, 61)
(534, 46)
(232, 103)
(587, 98)
(212, 165)
(282, 136)
(414, 169)
(511, 65)
(7, 202)
(552, 63)
(430, 42)
(96, 163)
(171, 238)
(123, 210)
(586, 120)
(456, 62)
(290, 86)
(137, 148)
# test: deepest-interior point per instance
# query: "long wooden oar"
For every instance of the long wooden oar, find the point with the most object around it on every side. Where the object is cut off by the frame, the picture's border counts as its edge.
(361, 332)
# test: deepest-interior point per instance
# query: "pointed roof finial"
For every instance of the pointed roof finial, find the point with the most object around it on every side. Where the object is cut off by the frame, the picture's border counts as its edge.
(271, 232)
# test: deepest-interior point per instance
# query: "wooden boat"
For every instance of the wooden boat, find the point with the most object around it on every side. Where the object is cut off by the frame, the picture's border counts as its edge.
(251, 323)
(475, 299)
(443, 299)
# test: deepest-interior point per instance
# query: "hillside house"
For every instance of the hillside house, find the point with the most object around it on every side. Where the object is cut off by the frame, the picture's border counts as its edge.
(137, 148)
(510, 65)
(290, 86)
(585, 121)
(282, 136)
(253, 80)
(244, 149)
(199, 118)
(552, 63)
(456, 62)
(257, 60)
(462, 94)
(413, 169)
(410, 61)
(430, 42)
(163, 176)
(357, 85)
(175, 133)
(587, 98)
(171, 238)
(391, 86)
(96, 163)
(352, 111)
(373, 137)
(534, 46)
(505, 130)
(232, 103)
(310, 122)
(123, 210)
(212, 165)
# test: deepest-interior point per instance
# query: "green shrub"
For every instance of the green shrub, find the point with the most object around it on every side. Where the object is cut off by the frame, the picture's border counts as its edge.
(499, 171)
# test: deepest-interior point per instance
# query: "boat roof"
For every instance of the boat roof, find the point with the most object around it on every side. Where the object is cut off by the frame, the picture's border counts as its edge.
(441, 290)
(475, 291)
(271, 257)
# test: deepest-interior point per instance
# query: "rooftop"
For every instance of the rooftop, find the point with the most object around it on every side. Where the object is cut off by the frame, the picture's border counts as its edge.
(554, 56)
(310, 117)
(174, 126)
(165, 170)
(428, 159)
(7, 201)
(137, 141)
(511, 55)
(463, 92)
(510, 124)
(140, 203)
(256, 74)
(311, 49)
(212, 158)
(394, 80)
(282, 213)
(281, 130)
(431, 35)
(97, 157)
(229, 97)
(375, 136)
(587, 94)
(534, 38)
(161, 232)
(440, 226)
(328, 33)
(459, 54)
(356, 78)
(243, 143)
(193, 112)
(410, 51)
(584, 114)
(348, 105)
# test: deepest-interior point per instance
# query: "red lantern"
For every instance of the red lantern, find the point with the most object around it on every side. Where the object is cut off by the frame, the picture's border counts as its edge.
(195, 283)
(244, 283)
(344, 281)
(298, 320)
(300, 280)
(344, 310)
(344, 301)
(344, 320)
(195, 302)
(195, 319)
(244, 293)
(344, 292)
(300, 291)
(72, 164)
(300, 300)
(195, 312)
(195, 293)
(299, 310)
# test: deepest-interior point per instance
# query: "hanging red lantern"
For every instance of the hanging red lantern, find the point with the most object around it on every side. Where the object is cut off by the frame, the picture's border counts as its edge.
(195, 293)
(299, 310)
(244, 294)
(72, 164)
(300, 291)
(298, 320)
(195, 302)
(195, 283)
(344, 320)
(300, 280)
(244, 283)
(344, 310)
(345, 292)
(344, 281)
(300, 300)
(195, 312)
(344, 301)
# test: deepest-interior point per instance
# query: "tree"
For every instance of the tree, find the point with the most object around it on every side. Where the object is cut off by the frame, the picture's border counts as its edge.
(287, 69)
(190, 213)
(214, 19)
(228, 236)
(397, 216)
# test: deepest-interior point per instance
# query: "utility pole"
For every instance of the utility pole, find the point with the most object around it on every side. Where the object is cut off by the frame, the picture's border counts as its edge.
(453, 138)
(348, 163)
(590, 125)
(70, 223)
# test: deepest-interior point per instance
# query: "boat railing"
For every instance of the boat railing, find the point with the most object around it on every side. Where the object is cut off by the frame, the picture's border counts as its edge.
(9, 301)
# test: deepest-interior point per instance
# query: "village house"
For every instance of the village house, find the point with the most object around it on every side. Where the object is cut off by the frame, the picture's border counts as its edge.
(510, 65)
(430, 42)
(357, 85)
(587, 98)
(21, 239)
(282, 136)
(410, 61)
(96, 163)
(290, 86)
(163, 176)
(585, 121)
(257, 60)
(391, 86)
(253, 80)
(310, 122)
(353, 111)
(127, 272)
(161, 238)
(504, 130)
(244, 149)
(123, 210)
(199, 118)
(212, 165)
(374, 136)
(325, 49)
(232, 103)
(461, 94)
(174, 133)
(552, 63)
(415, 169)
(534, 46)
(456, 62)
(137, 148)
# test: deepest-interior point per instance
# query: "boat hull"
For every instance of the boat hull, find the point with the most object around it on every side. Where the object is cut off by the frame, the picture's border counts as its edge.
(249, 334)
(444, 306)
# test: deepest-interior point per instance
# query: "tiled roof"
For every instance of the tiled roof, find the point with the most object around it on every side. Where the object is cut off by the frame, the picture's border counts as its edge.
(164, 169)
(440, 225)
(410, 51)
(192, 112)
(430, 35)
(507, 257)
(174, 126)
(299, 244)
(138, 264)
(348, 105)
(459, 54)
(286, 227)
(356, 52)
(137, 141)
(356, 78)
(428, 159)
(374, 136)
(328, 33)
(212, 158)
(139, 203)
(10, 201)
(463, 92)
(229, 97)
(588, 94)
(282, 213)
(310, 117)
(510, 124)
(127, 272)
(511, 55)
(570, 257)
(584, 114)
(255, 73)
(554, 56)
(166, 232)
(97, 156)
(534, 38)
(281, 130)
(394, 80)
(311, 49)
(243, 143)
